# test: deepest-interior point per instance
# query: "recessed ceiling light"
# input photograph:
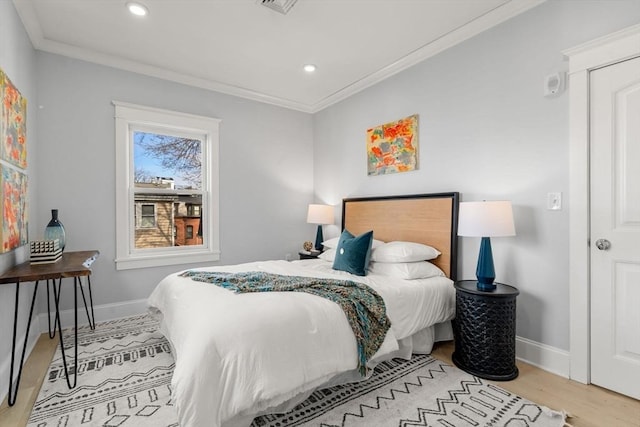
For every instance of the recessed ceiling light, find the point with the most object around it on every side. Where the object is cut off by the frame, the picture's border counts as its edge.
(309, 68)
(137, 9)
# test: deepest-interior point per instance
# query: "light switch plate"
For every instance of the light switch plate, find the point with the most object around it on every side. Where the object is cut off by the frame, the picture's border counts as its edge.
(554, 201)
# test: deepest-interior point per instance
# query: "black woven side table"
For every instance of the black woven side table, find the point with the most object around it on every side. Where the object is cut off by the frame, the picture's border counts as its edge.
(485, 331)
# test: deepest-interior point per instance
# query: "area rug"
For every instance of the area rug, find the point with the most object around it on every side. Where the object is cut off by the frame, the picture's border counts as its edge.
(124, 379)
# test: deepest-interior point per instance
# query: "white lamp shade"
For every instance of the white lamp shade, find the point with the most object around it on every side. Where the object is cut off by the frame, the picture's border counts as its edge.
(320, 214)
(486, 219)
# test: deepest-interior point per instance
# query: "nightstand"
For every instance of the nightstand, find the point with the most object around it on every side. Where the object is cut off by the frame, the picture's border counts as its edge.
(309, 255)
(485, 331)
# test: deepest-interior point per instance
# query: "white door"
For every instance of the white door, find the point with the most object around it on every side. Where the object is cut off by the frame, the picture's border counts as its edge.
(615, 227)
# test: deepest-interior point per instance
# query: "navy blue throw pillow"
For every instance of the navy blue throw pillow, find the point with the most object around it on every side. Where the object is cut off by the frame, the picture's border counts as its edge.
(353, 253)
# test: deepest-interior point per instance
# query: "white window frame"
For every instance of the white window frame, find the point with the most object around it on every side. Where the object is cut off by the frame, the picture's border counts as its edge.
(130, 117)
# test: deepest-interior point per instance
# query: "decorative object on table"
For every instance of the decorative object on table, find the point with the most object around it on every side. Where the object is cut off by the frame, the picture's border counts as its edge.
(486, 219)
(393, 147)
(307, 246)
(321, 215)
(45, 251)
(313, 254)
(13, 124)
(55, 229)
(13, 153)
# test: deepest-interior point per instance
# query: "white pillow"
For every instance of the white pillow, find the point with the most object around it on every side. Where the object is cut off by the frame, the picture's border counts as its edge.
(333, 243)
(403, 252)
(328, 255)
(406, 270)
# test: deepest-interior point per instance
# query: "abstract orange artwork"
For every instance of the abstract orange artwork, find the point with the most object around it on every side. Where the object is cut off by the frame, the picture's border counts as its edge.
(13, 124)
(14, 223)
(393, 147)
(13, 162)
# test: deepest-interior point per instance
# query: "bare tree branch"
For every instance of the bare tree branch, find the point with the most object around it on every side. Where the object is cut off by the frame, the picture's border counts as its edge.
(180, 155)
(141, 175)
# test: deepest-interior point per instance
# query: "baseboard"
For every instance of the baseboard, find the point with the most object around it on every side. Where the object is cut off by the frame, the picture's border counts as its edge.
(101, 313)
(543, 356)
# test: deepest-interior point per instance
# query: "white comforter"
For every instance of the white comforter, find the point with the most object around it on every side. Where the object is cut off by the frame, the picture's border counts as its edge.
(239, 354)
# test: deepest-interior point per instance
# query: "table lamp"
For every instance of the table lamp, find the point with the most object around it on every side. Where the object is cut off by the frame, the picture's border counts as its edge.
(321, 215)
(485, 219)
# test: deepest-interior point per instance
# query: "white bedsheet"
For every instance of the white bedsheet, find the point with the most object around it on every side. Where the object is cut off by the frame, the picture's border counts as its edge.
(239, 354)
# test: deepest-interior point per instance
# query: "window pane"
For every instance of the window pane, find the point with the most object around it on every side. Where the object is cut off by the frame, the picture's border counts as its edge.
(171, 163)
(166, 161)
(165, 220)
(148, 210)
(147, 222)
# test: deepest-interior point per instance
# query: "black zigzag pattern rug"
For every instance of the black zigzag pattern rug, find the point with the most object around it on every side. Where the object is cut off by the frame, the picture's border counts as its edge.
(125, 380)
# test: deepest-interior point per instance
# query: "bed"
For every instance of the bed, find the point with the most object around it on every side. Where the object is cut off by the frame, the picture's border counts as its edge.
(242, 355)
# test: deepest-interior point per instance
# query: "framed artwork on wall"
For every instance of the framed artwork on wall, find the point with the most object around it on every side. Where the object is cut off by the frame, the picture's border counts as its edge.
(393, 147)
(14, 209)
(13, 162)
(13, 125)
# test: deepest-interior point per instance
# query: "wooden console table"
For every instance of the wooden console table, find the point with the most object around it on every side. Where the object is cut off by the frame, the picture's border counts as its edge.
(72, 264)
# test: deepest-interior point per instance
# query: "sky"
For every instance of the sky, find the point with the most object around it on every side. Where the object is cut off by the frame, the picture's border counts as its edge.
(151, 165)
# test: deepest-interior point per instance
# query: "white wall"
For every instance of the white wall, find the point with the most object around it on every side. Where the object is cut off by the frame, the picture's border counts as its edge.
(18, 61)
(266, 178)
(487, 131)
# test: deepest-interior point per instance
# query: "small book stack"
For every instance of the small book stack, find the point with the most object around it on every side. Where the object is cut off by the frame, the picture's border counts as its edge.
(45, 251)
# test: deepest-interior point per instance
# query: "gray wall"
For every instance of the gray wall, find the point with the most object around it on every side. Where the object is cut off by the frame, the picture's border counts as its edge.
(486, 131)
(266, 178)
(18, 61)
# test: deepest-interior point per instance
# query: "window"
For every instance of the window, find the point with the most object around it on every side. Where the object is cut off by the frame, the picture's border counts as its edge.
(166, 173)
(147, 217)
(193, 210)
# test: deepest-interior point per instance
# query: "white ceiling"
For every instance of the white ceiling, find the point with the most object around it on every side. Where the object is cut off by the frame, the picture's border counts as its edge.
(242, 48)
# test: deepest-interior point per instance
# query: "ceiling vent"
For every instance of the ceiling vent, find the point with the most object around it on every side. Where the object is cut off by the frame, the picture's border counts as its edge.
(282, 6)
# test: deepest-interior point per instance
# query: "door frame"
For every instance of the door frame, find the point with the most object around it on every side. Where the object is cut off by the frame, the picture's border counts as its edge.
(603, 51)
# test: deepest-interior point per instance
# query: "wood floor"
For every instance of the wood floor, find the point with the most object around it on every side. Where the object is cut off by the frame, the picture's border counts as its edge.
(590, 406)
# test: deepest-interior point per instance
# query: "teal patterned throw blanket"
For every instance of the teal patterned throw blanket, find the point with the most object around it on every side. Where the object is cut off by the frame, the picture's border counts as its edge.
(364, 308)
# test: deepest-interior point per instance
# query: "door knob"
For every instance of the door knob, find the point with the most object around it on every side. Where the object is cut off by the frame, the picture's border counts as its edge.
(603, 244)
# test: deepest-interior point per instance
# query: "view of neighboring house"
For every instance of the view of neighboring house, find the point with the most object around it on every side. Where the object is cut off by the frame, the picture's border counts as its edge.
(163, 220)
(187, 216)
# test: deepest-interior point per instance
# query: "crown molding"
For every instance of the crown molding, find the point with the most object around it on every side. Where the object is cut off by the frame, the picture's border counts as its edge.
(488, 20)
(464, 32)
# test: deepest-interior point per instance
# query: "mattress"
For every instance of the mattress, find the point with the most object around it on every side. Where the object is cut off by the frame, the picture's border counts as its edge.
(239, 355)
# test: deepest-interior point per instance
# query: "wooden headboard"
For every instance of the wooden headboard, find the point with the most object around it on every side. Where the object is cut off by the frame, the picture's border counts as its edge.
(431, 219)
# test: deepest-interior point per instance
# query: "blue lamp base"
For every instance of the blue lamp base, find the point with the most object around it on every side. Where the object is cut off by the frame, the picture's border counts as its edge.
(319, 239)
(485, 271)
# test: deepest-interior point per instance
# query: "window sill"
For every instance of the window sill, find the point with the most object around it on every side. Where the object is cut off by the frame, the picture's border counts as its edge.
(156, 260)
